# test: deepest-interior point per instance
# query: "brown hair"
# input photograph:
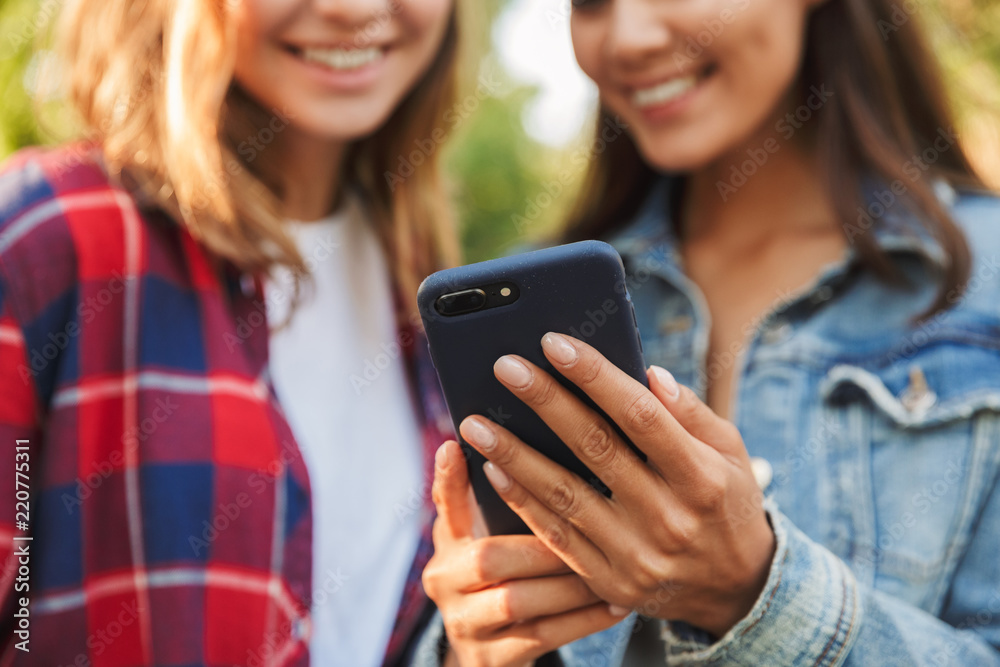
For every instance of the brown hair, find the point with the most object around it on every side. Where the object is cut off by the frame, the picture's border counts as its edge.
(153, 82)
(890, 106)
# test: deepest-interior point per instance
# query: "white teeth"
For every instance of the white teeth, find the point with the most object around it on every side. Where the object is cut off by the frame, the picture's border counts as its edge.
(664, 92)
(342, 58)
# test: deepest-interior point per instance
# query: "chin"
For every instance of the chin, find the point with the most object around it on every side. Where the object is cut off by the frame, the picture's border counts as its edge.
(674, 157)
(343, 125)
(682, 146)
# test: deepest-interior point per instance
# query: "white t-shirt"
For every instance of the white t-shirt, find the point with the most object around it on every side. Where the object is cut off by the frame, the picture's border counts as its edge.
(357, 430)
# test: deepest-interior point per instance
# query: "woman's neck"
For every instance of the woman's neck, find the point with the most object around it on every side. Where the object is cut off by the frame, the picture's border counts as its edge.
(309, 170)
(767, 187)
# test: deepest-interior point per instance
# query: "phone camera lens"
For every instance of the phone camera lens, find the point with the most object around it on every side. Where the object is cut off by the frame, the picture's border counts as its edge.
(458, 303)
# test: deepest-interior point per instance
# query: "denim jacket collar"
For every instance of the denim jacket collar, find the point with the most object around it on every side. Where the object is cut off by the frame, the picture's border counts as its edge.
(896, 230)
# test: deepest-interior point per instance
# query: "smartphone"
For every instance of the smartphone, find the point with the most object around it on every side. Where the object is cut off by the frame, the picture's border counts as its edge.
(475, 314)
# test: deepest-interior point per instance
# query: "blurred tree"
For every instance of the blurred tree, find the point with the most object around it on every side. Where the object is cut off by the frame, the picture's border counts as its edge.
(20, 22)
(966, 34)
(500, 177)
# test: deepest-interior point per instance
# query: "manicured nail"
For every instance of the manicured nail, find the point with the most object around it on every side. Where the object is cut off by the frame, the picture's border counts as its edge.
(479, 434)
(498, 478)
(615, 610)
(667, 381)
(513, 372)
(559, 348)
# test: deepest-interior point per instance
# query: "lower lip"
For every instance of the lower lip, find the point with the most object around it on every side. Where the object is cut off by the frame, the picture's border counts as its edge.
(672, 108)
(342, 80)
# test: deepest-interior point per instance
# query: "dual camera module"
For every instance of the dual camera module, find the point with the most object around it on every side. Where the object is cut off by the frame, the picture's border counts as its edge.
(478, 298)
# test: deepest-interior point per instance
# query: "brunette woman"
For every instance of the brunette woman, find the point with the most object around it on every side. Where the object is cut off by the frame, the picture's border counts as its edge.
(814, 266)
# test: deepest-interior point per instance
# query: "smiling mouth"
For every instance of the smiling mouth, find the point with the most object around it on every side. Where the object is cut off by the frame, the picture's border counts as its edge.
(338, 59)
(668, 91)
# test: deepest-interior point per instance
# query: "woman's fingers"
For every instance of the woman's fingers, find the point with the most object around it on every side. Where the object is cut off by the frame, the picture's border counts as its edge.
(499, 558)
(586, 433)
(523, 642)
(540, 636)
(450, 493)
(565, 493)
(497, 607)
(557, 526)
(486, 587)
(639, 413)
(691, 413)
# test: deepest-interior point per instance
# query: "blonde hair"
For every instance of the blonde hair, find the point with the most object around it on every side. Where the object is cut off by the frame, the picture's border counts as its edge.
(153, 82)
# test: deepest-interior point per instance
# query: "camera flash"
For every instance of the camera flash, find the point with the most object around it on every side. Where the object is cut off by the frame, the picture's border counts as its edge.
(505, 291)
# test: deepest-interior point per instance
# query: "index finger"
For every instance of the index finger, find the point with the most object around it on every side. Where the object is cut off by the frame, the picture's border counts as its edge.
(641, 416)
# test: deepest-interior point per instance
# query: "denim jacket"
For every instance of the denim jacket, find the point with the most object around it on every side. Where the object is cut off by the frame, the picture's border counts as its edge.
(883, 439)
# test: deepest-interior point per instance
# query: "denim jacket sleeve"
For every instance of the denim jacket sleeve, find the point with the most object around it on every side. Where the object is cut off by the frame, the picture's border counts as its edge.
(813, 611)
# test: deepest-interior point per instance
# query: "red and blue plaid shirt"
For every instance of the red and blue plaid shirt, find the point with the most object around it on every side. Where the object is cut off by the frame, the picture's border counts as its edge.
(169, 510)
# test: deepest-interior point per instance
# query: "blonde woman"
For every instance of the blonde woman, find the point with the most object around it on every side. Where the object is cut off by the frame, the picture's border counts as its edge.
(221, 409)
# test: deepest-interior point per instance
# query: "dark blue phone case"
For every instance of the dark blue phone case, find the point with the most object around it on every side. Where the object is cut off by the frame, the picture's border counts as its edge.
(577, 289)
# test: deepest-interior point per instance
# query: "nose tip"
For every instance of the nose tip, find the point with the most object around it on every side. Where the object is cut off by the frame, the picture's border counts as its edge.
(358, 14)
(636, 35)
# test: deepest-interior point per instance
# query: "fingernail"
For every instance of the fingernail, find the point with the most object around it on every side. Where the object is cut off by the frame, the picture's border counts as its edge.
(667, 381)
(479, 434)
(513, 372)
(498, 478)
(559, 348)
(615, 610)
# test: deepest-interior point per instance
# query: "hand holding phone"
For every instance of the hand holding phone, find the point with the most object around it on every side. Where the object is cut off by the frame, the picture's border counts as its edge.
(684, 535)
(475, 314)
(504, 599)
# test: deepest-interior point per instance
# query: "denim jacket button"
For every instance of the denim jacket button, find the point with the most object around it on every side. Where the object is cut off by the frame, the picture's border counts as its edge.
(918, 395)
(762, 472)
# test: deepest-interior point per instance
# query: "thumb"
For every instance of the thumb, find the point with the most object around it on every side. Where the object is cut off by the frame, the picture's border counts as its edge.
(450, 491)
(692, 414)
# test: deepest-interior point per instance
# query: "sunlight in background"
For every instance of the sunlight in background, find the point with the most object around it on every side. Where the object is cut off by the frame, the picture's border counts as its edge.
(533, 43)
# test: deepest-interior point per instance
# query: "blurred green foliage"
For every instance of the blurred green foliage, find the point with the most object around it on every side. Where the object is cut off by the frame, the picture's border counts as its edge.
(498, 175)
(498, 172)
(966, 36)
(20, 22)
